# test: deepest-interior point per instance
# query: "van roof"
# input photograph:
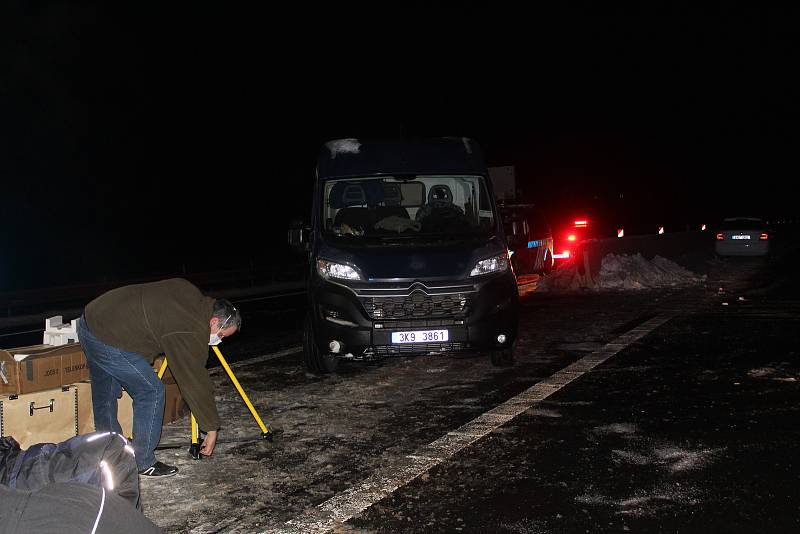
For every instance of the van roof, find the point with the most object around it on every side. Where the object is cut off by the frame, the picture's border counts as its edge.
(442, 155)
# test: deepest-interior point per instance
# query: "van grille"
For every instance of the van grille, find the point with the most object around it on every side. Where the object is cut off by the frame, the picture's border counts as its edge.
(417, 305)
(420, 323)
(419, 348)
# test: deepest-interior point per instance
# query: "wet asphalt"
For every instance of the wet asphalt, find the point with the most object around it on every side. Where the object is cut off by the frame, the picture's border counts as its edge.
(694, 428)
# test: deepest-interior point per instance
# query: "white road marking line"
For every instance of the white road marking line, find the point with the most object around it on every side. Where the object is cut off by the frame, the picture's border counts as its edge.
(351, 502)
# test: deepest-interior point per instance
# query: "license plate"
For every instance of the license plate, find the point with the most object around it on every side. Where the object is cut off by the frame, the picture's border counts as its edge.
(420, 336)
(740, 237)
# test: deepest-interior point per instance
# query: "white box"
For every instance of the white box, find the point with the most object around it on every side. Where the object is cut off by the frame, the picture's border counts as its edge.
(58, 333)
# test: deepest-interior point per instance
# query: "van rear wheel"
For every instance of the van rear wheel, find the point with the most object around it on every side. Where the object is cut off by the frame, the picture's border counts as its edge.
(315, 360)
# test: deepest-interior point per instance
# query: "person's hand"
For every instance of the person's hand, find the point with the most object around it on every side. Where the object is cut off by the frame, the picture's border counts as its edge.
(209, 443)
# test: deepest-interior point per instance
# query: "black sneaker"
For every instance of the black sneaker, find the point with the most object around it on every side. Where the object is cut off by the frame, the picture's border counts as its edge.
(158, 470)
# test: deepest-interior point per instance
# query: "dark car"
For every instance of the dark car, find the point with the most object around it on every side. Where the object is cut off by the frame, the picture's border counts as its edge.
(529, 238)
(742, 236)
(407, 254)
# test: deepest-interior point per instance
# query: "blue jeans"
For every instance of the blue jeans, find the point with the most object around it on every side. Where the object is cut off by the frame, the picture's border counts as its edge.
(112, 368)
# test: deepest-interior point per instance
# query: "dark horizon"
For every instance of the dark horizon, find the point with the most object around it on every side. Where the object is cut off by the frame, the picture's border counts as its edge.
(147, 140)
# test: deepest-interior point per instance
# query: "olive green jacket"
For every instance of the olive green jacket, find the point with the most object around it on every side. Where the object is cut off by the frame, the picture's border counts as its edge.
(169, 317)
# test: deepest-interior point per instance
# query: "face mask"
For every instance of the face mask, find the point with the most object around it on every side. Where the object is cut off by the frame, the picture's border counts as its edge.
(214, 339)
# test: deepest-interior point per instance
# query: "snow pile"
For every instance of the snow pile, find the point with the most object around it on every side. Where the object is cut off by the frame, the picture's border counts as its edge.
(635, 272)
(343, 146)
(623, 272)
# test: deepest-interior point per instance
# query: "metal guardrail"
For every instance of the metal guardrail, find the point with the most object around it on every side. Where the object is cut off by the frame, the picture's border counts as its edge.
(75, 308)
(220, 283)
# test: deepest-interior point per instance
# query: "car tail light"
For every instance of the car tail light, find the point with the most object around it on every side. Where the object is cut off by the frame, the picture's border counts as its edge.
(562, 256)
(571, 237)
(583, 223)
(764, 236)
(720, 237)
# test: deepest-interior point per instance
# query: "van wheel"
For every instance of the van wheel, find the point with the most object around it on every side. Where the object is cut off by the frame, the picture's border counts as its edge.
(503, 357)
(315, 360)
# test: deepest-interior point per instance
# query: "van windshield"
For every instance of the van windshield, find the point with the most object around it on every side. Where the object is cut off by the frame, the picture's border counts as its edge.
(404, 207)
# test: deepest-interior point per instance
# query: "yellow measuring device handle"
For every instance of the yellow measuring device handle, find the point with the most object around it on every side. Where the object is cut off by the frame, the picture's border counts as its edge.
(195, 431)
(163, 368)
(224, 363)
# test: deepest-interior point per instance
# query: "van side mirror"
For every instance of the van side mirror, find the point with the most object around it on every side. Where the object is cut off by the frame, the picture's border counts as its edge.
(298, 236)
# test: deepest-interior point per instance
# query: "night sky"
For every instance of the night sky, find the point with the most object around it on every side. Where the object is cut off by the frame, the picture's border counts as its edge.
(145, 141)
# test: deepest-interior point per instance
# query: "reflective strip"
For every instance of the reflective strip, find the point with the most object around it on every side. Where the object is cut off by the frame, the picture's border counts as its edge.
(100, 512)
(97, 436)
(107, 473)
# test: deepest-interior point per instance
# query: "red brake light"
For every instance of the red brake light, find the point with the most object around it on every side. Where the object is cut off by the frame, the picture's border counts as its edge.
(720, 237)
(764, 236)
(583, 223)
(571, 237)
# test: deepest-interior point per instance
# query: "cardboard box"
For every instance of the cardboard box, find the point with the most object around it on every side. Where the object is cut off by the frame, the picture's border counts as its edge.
(84, 408)
(174, 408)
(49, 416)
(41, 367)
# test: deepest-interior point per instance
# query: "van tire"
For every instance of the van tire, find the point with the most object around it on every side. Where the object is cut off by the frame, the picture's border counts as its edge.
(503, 357)
(316, 361)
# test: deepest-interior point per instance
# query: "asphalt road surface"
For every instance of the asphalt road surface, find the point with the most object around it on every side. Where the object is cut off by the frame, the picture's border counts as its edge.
(643, 411)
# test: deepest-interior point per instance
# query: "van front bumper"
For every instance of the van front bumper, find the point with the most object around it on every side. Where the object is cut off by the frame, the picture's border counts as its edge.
(343, 315)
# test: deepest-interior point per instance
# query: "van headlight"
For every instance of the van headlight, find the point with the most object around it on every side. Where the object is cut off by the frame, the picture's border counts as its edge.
(328, 269)
(495, 264)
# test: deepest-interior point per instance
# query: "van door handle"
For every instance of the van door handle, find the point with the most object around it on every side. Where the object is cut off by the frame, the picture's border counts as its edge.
(32, 407)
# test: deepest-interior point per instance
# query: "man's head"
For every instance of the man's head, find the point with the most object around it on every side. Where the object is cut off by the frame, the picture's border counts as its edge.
(440, 196)
(225, 320)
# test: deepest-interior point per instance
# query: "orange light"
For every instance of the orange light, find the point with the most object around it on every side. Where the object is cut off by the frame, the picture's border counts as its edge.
(720, 237)
(571, 237)
(583, 223)
(764, 236)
